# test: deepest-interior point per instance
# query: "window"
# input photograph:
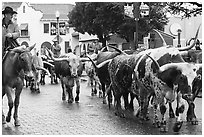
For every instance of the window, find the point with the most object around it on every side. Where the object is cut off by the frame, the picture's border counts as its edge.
(66, 46)
(24, 29)
(53, 30)
(23, 9)
(46, 28)
(62, 28)
(24, 32)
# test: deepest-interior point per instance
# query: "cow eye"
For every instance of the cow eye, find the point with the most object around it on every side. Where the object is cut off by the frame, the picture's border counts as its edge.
(194, 69)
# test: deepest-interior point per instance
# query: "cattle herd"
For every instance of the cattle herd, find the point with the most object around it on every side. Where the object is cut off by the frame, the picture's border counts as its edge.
(157, 76)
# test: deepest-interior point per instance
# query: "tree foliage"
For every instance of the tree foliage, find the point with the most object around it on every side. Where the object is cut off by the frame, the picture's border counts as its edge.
(156, 20)
(185, 9)
(97, 18)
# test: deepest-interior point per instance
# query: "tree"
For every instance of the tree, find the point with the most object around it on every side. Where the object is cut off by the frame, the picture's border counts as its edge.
(97, 18)
(185, 9)
(157, 19)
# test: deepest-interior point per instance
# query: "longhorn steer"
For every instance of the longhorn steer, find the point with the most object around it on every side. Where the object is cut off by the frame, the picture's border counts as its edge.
(69, 69)
(102, 70)
(49, 65)
(16, 64)
(38, 66)
(93, 79)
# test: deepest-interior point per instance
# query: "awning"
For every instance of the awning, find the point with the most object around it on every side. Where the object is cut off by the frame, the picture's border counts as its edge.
(24, 26)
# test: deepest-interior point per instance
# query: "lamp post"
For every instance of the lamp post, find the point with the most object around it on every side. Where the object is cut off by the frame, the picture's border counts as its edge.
(57, 14)
(143, 10)
(179, 38)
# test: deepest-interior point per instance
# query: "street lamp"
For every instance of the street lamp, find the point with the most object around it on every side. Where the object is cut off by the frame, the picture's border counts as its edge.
(57, 14)
(139, 9)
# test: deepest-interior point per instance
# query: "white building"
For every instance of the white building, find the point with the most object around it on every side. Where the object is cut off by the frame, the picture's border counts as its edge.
(188, 28)
(38, 24)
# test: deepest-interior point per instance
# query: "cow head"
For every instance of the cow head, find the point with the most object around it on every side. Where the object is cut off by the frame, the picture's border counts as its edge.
(180, 74)
(25, 60)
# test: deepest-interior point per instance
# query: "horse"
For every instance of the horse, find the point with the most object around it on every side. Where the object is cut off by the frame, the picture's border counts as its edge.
(16, 64)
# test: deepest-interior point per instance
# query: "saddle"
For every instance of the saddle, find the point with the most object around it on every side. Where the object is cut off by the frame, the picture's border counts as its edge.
(9, 44)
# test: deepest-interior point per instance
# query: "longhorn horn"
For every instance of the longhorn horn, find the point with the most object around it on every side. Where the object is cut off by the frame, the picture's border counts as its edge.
(93, 63)
(118, 50)
(195, 40)
(41, 68)
(31, 47)
(103, 49)
(48, 63)
(156, 64)
(55, 59)
(103, 63)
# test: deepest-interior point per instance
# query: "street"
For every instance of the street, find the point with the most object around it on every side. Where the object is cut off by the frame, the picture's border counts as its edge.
(47, 114)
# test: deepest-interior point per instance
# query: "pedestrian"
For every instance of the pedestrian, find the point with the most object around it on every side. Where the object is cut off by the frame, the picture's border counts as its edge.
(10, 30)
(56, 49)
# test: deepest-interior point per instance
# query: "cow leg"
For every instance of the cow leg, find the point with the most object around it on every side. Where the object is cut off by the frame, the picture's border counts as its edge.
(95, 84)
(55, 79)
(156, 121)
(92, 86)
(10, 103)
(191, 117)
(77, 89)
(3, 116)
(125, 97)
(100, 89)
(104, 94)
(70, 94)
(63, 90)
(16, 104)
(118, 106)
(179, 111)
(171, 112)
(131, 105)
(163, 121)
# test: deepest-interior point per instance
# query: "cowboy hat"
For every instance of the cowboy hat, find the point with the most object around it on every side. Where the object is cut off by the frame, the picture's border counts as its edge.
(8, 10)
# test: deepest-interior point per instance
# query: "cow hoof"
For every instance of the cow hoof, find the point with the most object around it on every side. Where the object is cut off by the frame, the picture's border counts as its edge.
(163, 127)
(17, 123)
(70, 101)
(120, 114)
(76, 99)
(157, 124)
(104, 101)
(63, 98)
(3, 120)
(92, 94)
(171, 115)
(38, 90)
(177, 126)
(95, 91)
(8, 119)
(194, 121)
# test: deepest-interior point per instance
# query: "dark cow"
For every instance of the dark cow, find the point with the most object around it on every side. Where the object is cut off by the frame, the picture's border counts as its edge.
(69, 69)
(16, 64)
(93, 79)
(163, 55)
(104, 57)
(194, 56)
(38, 65)
(121, 69)
(49, 65)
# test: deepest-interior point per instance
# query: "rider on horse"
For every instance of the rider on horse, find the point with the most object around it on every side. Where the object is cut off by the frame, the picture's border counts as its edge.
(10, 30)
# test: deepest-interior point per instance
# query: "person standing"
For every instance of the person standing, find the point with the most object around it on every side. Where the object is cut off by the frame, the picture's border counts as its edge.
(10, 30)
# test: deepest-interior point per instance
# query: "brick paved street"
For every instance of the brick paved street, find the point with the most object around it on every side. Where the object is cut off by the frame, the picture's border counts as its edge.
(47, 114)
